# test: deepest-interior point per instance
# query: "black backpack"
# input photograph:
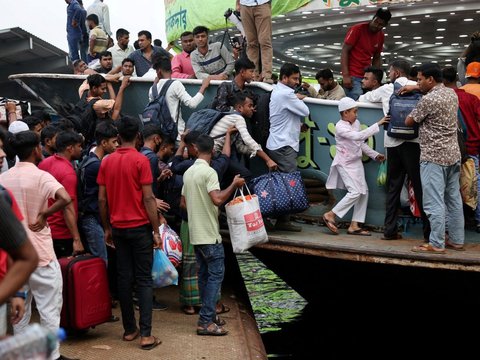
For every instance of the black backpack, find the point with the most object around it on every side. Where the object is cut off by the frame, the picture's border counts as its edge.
(400, 107)
(157, 112)
(261, 119)
(204, 120)
(82, 200)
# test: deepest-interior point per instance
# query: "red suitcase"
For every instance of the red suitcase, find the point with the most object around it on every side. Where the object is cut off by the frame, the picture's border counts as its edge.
(86, 296)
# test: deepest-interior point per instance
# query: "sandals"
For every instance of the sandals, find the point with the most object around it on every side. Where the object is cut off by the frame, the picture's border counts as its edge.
(452, 246)
(331, 225)
(224, 309)
(189, 310)
(219, 321)
(428, 248)
(211, 330)
(359, 232)
(154, 344)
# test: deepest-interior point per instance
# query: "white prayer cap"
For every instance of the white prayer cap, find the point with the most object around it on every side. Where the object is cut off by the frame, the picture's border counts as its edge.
(346, 103)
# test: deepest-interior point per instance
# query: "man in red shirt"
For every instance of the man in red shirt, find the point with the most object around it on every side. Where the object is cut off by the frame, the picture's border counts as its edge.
(362, 48)
(125, 193)
(66, 238)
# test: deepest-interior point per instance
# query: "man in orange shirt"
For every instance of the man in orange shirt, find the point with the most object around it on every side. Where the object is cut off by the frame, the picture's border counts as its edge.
(472, 76)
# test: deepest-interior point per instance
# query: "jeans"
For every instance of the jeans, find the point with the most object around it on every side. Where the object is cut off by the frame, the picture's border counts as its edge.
(134, 262)
(94, 236)
(74, 47)
(356, 89)
(477, 210)
(441, 196)
(211, 269)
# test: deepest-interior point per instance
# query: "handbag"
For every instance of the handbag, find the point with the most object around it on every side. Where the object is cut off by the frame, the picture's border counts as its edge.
(382, 174)
(280, 193)
(245, 222)
(163, 272)
(172, 245)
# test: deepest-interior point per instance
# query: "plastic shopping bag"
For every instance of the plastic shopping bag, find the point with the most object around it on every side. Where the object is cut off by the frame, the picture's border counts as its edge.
(163, 272)
(245, 222)
(382, 174)
(172, 245)
(414, 208)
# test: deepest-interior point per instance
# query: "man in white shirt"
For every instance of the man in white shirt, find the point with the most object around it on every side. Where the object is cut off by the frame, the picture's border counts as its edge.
(101, 10)
(286, 113)
(121, 50)
(176, 93)
(403, 156)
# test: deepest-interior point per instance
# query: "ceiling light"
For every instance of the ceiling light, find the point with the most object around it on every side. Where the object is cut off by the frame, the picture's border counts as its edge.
(455, 44)
(467, 19)
(441, 29)
(306, 12)
(419, 42)
(415, 22)
(439, 43)
(323, 62)
(448, 60)
(397, 37)
(404, 18)
(462, 36)
(306, 46)
(315, 30)
(336, 63)
(417, 37)
(296, 48)
(398, 42)
(304, 17)
(311, 60)
(394, 24)
(442, 20)
(281, 15)
(427, 16)
(337, 44)
(329, 28)
(438, 37)
(452, 13)
(288, 19)
(320, 45)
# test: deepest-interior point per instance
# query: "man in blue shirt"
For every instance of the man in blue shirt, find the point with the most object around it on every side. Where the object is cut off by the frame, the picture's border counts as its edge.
(143, 57)
(286, 112)
(75, 15)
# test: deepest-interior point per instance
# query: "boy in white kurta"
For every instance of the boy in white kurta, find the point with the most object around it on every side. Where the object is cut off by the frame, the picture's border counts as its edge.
(346, 171)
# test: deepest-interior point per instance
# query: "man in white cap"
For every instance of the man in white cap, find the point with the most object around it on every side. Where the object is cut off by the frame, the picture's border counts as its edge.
(346, 171)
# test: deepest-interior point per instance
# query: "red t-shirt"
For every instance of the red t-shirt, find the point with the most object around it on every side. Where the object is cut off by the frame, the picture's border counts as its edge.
(62, 170)
(123, 173)
(470, 108)
(3, 254)
(364, 44)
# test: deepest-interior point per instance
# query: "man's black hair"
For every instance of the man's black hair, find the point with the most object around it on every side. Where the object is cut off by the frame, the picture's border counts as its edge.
(431, 69)
(66, 139)
(128, 60)
(23, 143)
(384, 14)
(199, 29)
(401, 65)
(185, 33)
(48, 132)
(449, 74)
(135, 45)
(243, 63)
(150, 130)
(105, 131)
(191, 137)
(128, 128)
(121, 32)
(104, 54)
(65, 124)
(413, 72)
(95, 80)
(166, 140)
(32, 121)
(377, 73)
(157, 42)
(204, 144)
(239, 98)
(147, 34)
(326, 74)
(288, 69)
(43, 115)
(93, 18)
(162, 62)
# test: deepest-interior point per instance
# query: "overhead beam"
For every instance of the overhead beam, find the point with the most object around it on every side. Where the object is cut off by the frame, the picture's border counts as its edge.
(17, 46)
(51, 64)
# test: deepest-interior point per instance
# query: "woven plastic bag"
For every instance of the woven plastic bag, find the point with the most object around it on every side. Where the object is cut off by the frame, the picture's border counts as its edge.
(245, 222)
(172, 245)
(163, 272)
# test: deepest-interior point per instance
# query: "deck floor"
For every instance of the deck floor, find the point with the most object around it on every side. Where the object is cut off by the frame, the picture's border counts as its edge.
(317, 240)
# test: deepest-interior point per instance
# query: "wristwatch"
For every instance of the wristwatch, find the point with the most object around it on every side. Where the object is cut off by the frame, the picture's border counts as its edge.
(21, 294)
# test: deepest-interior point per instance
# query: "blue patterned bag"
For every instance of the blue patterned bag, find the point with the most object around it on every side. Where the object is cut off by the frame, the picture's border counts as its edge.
(280, 193)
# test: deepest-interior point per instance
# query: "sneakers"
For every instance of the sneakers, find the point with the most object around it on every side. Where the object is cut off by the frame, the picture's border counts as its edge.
(287, 226)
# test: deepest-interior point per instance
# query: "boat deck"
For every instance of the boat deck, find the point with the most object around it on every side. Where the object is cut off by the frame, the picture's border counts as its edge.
(316, 240)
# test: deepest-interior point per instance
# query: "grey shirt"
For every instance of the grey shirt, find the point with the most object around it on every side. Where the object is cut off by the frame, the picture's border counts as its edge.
(216, 61)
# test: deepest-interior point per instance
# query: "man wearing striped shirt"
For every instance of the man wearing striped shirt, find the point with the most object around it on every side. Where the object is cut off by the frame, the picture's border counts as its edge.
(243, 142)
(210, 60)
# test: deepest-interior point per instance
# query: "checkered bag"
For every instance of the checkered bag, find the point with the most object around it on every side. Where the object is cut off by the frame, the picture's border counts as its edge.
(280, 193)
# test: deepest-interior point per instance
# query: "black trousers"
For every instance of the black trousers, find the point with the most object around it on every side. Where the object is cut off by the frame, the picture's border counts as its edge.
(403, 160)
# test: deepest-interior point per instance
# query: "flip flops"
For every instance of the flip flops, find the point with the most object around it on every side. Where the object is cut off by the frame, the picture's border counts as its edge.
(331, 225)
(154, 344)
(427, 248)
(211, 330)
(359, 232)
(223, 309)
(453, 246)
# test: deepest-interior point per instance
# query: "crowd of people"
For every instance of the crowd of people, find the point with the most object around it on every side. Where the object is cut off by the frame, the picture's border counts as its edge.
(100, 180)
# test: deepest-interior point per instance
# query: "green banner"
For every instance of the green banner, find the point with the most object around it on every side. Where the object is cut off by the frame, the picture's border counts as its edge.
(184, 15)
